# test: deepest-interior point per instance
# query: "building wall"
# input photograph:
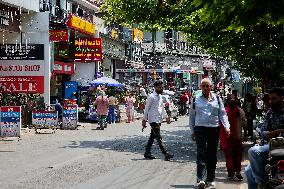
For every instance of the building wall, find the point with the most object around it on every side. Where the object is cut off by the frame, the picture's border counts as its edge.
(84, 72)
(32, 5)
(35, 30)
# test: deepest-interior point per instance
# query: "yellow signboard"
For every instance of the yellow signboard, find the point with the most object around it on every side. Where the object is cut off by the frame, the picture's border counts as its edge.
(137, 35)
(82, 25)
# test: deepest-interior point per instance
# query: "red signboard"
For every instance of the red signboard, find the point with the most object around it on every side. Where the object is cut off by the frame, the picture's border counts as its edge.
(63, 68)
(10, 109)
(58, 35)
(22, 84)
(88, 50)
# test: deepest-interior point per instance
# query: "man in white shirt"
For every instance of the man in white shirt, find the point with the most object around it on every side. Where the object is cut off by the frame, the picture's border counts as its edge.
(206, 112)
(155, 113)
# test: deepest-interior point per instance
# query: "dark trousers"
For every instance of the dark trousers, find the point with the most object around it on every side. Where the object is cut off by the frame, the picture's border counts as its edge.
(102, 121)
(155, 134)
(207, 139)
(248, 131)
(234, 156)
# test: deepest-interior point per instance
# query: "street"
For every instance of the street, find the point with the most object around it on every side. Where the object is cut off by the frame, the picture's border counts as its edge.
(113, 158)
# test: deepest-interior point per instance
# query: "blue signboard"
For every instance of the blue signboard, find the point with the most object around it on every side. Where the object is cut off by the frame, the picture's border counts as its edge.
(44, 119)
(71, 89)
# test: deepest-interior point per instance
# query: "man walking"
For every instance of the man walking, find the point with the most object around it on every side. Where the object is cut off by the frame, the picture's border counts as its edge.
(207, 109)
(112, 106)
(154, 114)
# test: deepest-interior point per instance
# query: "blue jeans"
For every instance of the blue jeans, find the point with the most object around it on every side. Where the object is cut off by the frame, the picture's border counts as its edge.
(207, 139)
(111, 114)
(255, 171)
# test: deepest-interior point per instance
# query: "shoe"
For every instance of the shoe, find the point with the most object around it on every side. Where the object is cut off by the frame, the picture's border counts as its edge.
(201, 184)
(168, 157)
(239, 177)
(149, 156)
(232, 178)
(211, 184)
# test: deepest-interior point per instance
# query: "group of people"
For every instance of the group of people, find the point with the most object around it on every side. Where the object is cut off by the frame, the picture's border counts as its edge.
(106, 107)
(210, 122)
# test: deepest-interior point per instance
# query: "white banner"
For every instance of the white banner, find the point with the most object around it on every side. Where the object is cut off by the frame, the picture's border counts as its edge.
(22, 68)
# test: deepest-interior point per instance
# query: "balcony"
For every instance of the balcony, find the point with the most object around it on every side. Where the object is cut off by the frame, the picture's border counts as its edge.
(89, 4)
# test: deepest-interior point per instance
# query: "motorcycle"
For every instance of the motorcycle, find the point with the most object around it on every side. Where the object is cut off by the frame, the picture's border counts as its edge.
(275, 166)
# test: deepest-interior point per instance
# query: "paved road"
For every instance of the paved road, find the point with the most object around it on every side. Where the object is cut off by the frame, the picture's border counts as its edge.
(109, 159)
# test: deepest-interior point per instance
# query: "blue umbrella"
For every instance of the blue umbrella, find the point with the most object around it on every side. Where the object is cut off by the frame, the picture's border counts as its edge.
(106, 81)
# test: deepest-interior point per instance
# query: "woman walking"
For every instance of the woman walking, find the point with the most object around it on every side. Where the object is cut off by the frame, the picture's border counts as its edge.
(232, 145)
(102, 104)
(130, 108)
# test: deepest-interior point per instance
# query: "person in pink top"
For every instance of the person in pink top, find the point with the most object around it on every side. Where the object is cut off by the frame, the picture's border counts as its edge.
(130, 108)
(102, 104)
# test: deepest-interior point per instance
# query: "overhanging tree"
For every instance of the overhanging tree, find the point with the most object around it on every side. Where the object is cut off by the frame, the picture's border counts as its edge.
(249, 32)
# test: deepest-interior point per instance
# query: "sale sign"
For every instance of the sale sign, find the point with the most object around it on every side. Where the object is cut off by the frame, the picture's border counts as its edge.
(22, 84)
(25, 76)
(10, 124)
(88, 50)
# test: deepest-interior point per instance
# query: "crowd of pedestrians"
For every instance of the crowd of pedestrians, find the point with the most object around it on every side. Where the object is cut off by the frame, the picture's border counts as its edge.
(230, 121)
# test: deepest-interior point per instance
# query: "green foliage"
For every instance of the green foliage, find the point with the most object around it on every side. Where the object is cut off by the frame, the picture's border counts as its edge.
(249, 32)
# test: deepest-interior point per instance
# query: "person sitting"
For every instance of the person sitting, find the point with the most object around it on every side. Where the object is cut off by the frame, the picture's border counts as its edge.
(273, 127)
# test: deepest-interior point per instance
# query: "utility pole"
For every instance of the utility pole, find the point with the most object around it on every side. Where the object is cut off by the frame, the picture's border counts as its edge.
(154, 52)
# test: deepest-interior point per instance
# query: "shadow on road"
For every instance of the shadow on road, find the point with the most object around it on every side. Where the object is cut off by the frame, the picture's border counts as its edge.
(177, 142)
(183, 186)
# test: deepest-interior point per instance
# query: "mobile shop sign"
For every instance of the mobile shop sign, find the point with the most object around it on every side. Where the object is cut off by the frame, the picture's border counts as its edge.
(22, 76)
(10, 125)
(22, 52)
(45, 118)
(58, 35)
(69, 117)
(88, 50)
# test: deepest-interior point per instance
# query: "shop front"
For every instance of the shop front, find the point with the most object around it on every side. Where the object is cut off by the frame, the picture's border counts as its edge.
(76, 53)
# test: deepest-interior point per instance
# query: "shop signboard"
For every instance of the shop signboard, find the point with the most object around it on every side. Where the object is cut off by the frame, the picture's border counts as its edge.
(88, 50)
(22, 76)
(69, 117)
(81, 25)
(22, 68)
(70, 90)
(45, 119)
(58, 35)
(235, 75)
(63, 68)
(22, 52)
(10, 121)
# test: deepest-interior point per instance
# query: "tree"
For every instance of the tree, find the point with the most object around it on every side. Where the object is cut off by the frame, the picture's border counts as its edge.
(249, 32)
